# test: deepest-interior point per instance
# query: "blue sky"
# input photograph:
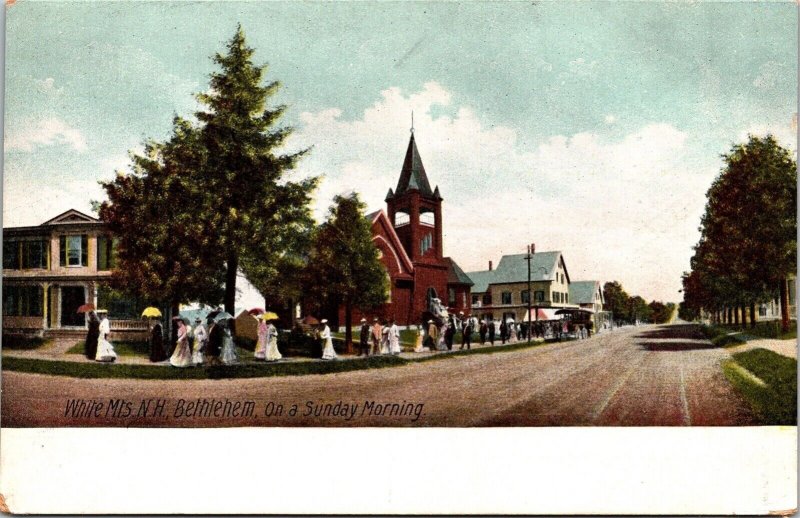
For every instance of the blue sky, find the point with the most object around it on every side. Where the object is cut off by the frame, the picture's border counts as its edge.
(591, 128)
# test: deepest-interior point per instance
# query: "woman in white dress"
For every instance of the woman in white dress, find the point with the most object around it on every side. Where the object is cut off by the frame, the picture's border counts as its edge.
(441, 344)
(261, 344)
(229, 356)
(394, 338)
(513, 330)
(385, 338)
(200, 339)
(273, 354)
(182, 356)
(328, 353)
(105, 351)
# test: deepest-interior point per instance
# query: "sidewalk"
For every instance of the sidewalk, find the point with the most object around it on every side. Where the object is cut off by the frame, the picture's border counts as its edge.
(57, 349)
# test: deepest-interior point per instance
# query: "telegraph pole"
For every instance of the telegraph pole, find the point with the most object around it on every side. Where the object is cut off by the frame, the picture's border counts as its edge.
(529, 257)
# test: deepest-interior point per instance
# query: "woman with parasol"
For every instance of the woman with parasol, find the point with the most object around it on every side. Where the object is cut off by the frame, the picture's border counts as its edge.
(105, 351)
(273, 354)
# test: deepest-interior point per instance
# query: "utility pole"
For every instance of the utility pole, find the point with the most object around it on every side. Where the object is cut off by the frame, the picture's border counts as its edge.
(529, 257)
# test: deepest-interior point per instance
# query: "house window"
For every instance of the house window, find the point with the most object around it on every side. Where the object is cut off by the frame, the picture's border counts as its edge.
(23, 255)
(526, 296)
(106, 253)
(74, 250)
(425, 243)
(556, 297)
(566, 298)
(475, 299)
(538, 296)
(487, 299)
(506, 297)
(11, 255)
(451, 297)
(22, 301)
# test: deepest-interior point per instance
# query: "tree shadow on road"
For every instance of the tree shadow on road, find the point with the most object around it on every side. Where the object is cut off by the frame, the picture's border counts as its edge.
(677, 331)
(677, 346)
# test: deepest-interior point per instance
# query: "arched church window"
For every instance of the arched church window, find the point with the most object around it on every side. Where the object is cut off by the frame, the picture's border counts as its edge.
(425, 244)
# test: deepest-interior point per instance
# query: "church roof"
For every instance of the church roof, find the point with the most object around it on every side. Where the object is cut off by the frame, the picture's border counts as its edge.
(412, 176)
(455, 275)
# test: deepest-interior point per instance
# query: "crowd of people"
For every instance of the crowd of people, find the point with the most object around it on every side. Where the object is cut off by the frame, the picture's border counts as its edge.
(212, 343)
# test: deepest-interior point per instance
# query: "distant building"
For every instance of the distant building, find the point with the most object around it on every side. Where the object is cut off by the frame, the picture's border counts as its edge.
(502, 292)
(589, 295)
(50, 270)
(409, 238)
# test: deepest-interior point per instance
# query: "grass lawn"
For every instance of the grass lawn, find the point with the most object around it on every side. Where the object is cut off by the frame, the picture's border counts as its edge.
(247, 369)
(721, 337)
(121, 348)
(766, 329)
(776, 401)
(23, 343)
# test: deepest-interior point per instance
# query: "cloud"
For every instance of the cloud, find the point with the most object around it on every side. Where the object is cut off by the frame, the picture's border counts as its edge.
(44, 132)
(624, 209)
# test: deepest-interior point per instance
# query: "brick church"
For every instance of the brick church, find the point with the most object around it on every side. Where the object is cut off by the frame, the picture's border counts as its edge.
(409, 237)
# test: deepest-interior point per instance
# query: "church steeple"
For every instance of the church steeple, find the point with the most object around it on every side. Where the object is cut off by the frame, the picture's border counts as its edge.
(412, 176)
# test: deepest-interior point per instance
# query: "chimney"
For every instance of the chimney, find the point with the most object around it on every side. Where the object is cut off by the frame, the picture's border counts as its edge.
(490, 266)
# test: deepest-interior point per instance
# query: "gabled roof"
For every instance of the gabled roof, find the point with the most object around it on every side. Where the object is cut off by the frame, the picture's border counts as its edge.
(71, 216)
(582, 292)
(381, 218)
(481, 280)
(514, 268)
(455, 275)
(412, 176)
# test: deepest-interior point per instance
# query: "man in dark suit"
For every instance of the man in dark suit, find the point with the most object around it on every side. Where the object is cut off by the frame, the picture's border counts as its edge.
(450, 332)
(483, 330)
(491, 331)
(363, 339)
(466, 333)
(503, 331)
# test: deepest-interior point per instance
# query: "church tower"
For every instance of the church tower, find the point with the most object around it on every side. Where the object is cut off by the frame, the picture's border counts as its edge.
(415, 210)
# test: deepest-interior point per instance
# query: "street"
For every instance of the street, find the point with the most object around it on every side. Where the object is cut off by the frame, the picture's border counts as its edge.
(635, 376)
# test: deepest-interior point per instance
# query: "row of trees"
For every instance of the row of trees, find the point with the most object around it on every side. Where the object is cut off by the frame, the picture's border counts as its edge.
(630, 309)
(748, 241)
(216, 199)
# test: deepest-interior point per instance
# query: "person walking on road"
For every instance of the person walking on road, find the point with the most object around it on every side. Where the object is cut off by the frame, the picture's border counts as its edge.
(394, 338)
(482, 330)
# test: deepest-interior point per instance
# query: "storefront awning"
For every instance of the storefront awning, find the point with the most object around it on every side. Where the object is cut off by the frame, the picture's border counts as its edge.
(540, 314)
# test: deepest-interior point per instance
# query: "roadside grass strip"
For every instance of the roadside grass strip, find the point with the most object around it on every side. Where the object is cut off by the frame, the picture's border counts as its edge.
(722, 337)
(121, 348)
(243, 370)
(768, 382)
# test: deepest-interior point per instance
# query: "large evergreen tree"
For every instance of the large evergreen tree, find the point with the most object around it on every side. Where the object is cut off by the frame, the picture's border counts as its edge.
(244, 175)
(345, 266)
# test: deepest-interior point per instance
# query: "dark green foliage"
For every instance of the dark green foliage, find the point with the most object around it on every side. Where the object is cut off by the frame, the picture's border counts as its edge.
(213, 198)
(748, 243)
(260, 218)
(775, 403)
(345, 266)
(22, 343)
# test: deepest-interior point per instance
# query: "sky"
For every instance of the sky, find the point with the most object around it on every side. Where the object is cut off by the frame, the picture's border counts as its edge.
(593, 128)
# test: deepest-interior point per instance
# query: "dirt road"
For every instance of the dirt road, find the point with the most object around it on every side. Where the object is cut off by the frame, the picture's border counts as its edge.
(643, 376)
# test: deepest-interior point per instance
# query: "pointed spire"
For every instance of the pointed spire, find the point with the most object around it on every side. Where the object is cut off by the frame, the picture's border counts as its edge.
(389, 195)
(412, 176)
(436, 193)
